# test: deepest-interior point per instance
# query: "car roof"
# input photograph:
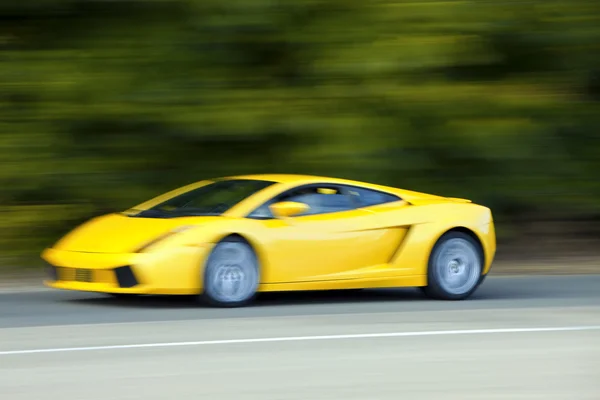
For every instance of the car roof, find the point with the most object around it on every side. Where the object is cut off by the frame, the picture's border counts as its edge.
(297, 179)
(304, 179)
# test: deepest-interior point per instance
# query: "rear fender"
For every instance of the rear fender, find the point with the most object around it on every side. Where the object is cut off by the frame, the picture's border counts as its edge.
(430, 222)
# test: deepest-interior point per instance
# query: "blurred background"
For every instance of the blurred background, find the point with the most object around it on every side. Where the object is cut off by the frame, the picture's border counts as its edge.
(106, 103)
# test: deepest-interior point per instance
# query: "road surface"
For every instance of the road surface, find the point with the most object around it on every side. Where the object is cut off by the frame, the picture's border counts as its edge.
(517, 338)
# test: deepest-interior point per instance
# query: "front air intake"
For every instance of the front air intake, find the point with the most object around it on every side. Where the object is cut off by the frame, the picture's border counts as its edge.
(125, 277)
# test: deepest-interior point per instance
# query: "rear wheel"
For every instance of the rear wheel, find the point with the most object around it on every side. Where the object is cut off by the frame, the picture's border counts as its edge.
(231, 275)
(455, 267)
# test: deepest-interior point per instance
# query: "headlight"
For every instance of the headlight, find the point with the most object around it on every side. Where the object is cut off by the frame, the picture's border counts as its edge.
(163, 237)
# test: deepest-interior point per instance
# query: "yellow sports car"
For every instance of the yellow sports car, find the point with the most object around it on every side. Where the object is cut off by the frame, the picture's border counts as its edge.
(227, 239)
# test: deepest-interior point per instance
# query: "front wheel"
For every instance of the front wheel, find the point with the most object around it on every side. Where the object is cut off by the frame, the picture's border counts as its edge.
(455, 267)
(231, 275)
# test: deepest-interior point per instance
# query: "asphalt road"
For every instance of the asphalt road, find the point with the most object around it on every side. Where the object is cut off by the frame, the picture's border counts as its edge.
(67, 308)
(517, 338)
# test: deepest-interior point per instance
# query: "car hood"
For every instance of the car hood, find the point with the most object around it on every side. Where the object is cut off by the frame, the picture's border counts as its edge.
(119, 233)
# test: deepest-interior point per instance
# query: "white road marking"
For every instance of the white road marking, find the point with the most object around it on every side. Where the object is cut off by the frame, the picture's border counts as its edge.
(302, 339)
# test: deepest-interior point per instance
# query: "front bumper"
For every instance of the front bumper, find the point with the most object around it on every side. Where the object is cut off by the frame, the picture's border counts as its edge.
(176, 271)
(111, 280)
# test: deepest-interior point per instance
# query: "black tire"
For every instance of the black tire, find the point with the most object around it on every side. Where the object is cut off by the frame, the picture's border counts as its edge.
(445, 268)
(232, 263)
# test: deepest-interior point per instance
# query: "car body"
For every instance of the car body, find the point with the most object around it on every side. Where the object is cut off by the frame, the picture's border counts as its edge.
(290, 232)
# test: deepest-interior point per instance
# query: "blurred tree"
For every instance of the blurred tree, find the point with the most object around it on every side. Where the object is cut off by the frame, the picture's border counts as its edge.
(106, 103)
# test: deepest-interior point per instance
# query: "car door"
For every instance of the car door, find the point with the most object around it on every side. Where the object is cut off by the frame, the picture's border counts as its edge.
(333, 241)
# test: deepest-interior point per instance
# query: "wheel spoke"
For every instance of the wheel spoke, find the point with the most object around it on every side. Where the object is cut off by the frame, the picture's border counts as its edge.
(233, 273)
(457, 266)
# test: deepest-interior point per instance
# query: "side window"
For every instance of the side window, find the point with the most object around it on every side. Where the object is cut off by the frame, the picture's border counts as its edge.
(320, 199)
(368, 197)
(320, 203)
(262, 212)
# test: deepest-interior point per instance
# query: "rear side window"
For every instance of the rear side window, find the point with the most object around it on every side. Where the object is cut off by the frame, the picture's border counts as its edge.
(368, 197)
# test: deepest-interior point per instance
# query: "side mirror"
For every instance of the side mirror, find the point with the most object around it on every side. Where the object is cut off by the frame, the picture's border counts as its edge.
(287, 209)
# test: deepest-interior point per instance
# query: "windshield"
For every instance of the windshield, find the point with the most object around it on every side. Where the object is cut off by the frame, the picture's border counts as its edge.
(212, 199)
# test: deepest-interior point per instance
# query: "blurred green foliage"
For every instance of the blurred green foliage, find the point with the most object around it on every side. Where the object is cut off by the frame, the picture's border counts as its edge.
(104, 104)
